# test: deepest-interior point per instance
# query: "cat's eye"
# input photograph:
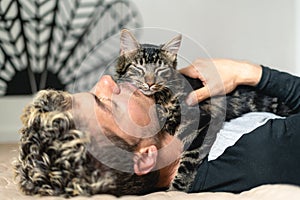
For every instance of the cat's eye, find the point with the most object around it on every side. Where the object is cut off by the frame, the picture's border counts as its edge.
(162, 71)
(137, 68)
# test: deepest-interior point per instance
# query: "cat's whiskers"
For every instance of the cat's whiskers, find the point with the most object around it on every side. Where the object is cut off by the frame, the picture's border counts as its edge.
(176, 79)
(169, 83)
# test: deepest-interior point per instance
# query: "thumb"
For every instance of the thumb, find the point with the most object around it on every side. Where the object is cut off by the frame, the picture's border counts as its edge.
(198, 96)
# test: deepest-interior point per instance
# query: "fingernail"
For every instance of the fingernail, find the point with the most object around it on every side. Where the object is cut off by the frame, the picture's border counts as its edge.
(191, 100)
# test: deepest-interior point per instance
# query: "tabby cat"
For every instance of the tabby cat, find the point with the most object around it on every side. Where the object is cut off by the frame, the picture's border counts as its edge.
(152, 69)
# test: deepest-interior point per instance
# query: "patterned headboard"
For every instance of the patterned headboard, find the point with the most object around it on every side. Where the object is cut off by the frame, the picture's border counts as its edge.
(59, 44)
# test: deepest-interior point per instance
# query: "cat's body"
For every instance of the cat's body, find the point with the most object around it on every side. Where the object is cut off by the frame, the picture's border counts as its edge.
(153, 69)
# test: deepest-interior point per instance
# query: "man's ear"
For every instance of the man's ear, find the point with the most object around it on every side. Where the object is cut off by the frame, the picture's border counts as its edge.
(145, 160)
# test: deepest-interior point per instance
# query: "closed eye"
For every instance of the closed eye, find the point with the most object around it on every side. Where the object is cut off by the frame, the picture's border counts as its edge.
(97, 100)
(103, 105)
(137, 68)
(162, 71)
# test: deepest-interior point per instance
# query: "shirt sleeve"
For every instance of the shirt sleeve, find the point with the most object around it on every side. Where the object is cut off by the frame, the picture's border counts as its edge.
(282, 85)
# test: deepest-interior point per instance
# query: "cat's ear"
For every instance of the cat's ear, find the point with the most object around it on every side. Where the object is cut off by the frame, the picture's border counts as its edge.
(128, 43)
(173, 45)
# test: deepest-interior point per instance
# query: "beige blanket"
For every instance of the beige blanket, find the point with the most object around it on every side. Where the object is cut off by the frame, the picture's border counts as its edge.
(9, 191)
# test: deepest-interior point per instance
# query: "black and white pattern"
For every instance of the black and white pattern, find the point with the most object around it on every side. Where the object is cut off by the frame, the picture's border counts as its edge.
(43, 43)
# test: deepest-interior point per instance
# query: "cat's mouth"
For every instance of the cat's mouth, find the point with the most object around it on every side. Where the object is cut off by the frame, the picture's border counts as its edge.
(150, 90)
(147, 92)
(144, 88)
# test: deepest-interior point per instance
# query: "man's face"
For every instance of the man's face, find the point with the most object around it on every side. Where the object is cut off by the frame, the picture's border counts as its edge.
(121, 110)
(112, 109)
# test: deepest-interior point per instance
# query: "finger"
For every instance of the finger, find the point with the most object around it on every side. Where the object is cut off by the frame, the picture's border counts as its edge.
(189, 71)
(197, 96)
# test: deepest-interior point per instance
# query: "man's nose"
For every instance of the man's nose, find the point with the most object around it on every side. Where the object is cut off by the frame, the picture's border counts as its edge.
(105, 87)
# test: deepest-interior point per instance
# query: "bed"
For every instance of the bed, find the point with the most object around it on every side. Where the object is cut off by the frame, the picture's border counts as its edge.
(9, 189)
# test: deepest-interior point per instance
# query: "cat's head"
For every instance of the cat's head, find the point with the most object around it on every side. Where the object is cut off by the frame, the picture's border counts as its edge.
(150, 67)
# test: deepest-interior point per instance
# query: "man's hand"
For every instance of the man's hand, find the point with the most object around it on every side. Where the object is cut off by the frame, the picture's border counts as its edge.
(220, 76)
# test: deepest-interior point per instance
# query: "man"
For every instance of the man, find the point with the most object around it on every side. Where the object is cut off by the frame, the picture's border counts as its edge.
(87, 149)
(65, 137)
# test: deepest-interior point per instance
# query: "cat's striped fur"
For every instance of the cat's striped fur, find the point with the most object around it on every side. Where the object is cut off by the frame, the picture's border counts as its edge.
(152, 68)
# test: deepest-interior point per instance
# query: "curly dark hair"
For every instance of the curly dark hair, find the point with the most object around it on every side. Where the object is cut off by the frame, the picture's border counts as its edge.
(54, 158)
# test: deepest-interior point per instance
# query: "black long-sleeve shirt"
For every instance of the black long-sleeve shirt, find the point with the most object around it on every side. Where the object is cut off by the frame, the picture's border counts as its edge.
(268, 155)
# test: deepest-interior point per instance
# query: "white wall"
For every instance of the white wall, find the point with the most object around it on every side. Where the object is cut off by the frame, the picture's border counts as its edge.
(11, 109)
(262, 31)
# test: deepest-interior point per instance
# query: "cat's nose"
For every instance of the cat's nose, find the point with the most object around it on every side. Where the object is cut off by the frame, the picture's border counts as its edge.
(105, 87)
(150, 80)
(150, 83)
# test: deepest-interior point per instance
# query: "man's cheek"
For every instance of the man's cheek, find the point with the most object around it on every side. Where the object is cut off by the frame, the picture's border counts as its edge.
(138, 115)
